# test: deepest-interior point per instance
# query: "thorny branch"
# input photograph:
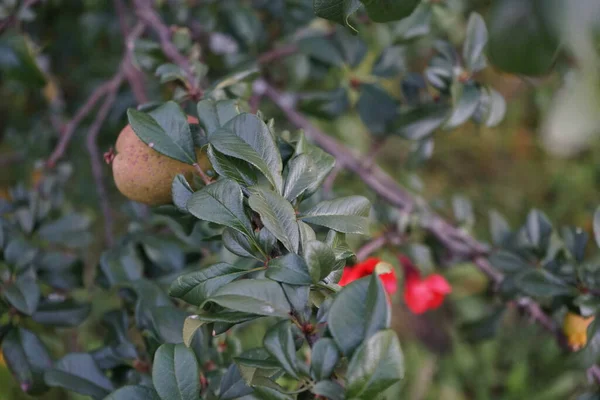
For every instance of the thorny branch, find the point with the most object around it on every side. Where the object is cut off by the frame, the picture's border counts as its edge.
(455, 240)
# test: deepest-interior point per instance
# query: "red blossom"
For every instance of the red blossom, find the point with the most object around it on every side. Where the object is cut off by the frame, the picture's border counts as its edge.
(422, 294)
(384, 270)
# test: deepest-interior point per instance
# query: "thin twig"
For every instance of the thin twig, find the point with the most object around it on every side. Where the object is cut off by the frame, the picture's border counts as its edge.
(205, 178)
(277, 53)
(71, 126)
(96, 158)
(150, 17)
(134, 75)
(377, 243)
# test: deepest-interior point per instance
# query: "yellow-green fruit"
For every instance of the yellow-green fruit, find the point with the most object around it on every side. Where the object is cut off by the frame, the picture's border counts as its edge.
(143, 174)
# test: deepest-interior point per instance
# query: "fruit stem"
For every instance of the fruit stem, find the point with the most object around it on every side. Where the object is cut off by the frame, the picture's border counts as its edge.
(202, 174)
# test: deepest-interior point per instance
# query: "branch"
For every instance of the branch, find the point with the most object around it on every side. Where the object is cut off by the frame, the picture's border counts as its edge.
(152, 20)
(277, 53)
(134, 75)
(377, 243)
(381, 183)
(95, 157)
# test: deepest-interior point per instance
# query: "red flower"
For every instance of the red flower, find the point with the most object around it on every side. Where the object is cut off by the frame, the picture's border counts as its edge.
(421, 295)
(384, 270)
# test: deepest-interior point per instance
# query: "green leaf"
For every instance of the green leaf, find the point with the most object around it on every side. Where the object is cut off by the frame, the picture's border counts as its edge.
(519, 42)
(257, 296)
(175, 373)
(234, 77)
(389, 10)
(465, 104)
(325, 104)
(248, 138)
(194, 322)
(325, 356)
(376, 365)
(240, 245)
(321, 49)
(232, 168)
(329, 389)
(358, 311)
(79, 373)
(376, 108)
(19, 254)
(27, 358)
(420, 122)
(290, 269)
(320, 259)
(166, 130)
(181, 191)
(390, 63)
(499, 227)
(221, 203)
(24, 294)
(195, 287)
(18, 61)
(170, 72)
(301, 175)
(415, 25)
(475, 42)
(61, 313)
(336, 10)
(134, 393)
(538, 229)
(277, 215)
(121, 264)
(233, 385)
(346, 214)
(509, 262)
(541, 283)
(280, 344)
(215, 114)
(337, 242)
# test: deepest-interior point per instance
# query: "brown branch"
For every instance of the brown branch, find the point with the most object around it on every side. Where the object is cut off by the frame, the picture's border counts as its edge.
(377, 243)
(277, 53)
(96, 157)
(457, 241)
(152, 20)
(133, 74)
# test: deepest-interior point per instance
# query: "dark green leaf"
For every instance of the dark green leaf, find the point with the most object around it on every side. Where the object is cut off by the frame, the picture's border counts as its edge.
(475, 43)
(499, 227)
(17, 60)
(329, 389)
(240, 245)
(175, 373)
(19, 253)
(416, 25)
(597, 226)
(337, 242)
(301, 175)
(421, 122)
(134, 393)
(377, 109)
(320, 259)
(541, 283)
(376, 365)
(181, 191)
(170, 72)
(215, 114)
(61, 313)
(390, 63)
(279, 343)
(328, 104)
(389, 10)
(539, 229)
(508, 262)
(358, 311)
(519, 42)
(166, 130)
(248, 138)
(121, 264)
(233, 385)
(466, 99)
(325, 356)
(232, 168)
(575, 240)
(79, 373)
(336, 10)
(24, 294)
(290, 269)
(258, 296)
(195, 287)
(221, 203)
(277, 215)
(346, 214)
(27, 358)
